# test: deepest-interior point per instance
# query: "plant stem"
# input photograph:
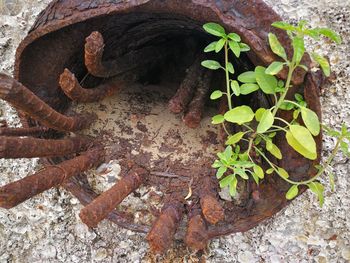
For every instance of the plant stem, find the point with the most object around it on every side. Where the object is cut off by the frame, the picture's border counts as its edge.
(282, 120)
(319, 173)
(228, 94)
(224, 126)
(289, 79)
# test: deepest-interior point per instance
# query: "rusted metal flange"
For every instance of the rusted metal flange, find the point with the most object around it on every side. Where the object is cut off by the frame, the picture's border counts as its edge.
(57, 41)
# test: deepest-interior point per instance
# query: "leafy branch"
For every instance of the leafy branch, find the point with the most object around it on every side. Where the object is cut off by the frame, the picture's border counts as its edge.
(259, 128)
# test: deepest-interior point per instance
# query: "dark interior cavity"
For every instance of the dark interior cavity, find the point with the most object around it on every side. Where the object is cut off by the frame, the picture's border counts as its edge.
(180, 39)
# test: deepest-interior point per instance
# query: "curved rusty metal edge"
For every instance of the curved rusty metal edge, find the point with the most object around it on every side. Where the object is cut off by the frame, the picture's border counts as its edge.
(256, 21)
(85, 193)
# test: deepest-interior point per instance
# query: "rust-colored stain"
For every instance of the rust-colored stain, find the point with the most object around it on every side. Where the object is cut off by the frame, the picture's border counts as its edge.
(83, 51)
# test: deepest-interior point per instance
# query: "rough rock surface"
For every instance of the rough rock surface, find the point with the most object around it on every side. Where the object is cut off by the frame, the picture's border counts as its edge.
(48, 229)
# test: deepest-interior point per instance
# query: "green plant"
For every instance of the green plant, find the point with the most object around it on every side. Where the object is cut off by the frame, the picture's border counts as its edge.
(259, 128)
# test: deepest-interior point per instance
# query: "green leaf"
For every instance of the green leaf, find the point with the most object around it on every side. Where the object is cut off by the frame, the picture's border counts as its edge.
(266, 82)
(344, 148)
(298, 97)
(331, 132)
(245, 164)
(330, 34)
(292, 192)
(235, 48)
(228, 152)
(230, 68)
(317, 189)
(216, 95)
(323, 62)
(344, 130)
(233, 187)
(245, 157)
(211, 64)
(282, 172)
(218, 119)
(284, 26)
(258, 171)
(216, 164)
(280, 84)
(274, 68)
(219, 45)
(266, 122)
(299, 147)
(299, 49)
(272, 134)
(214, 29)
(302, 103)
(304, 137)
(244, 47)
(296, 114)
(286, 106)
(312, 33)
(211, 47)
(276, 46)
(270, 171)
(226, 181)
(259, 113)
(248, 88)
(247, 77)
(220, 172)
(255, 177)
(237, 149)
(311, 121)
(234, 37)
(242, 173)
(235, 138)
(273, 149)
(257, 141)
(239, 115)
(235, 87)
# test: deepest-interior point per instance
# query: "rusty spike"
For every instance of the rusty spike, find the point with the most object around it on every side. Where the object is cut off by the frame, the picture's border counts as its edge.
(22, 98)
(163, 230)
(196, 235)
(17, 192)
(31, 131)
(12, 147)
(185, 93)
(212, 210)
(71, 87)
(194, 114)
(99, 208)
(94, 48)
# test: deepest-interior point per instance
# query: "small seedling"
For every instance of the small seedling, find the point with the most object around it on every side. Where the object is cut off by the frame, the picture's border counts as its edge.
(259, 128)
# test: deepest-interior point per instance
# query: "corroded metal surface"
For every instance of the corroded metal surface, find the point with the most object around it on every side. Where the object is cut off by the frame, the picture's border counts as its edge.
(58, 39)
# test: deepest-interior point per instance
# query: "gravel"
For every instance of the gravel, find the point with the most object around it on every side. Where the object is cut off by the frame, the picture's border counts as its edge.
(47, 228)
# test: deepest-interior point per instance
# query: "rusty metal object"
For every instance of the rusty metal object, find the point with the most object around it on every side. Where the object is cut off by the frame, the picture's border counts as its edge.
(71, 87)
(194, 114)
(196, 235)
(94, 49)
(213, 211)
(161, 235)
(17, 192)
(185, 92)
(142, 34)
(98, 209)
(32, 131)
(23, 99)
(11, 147)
